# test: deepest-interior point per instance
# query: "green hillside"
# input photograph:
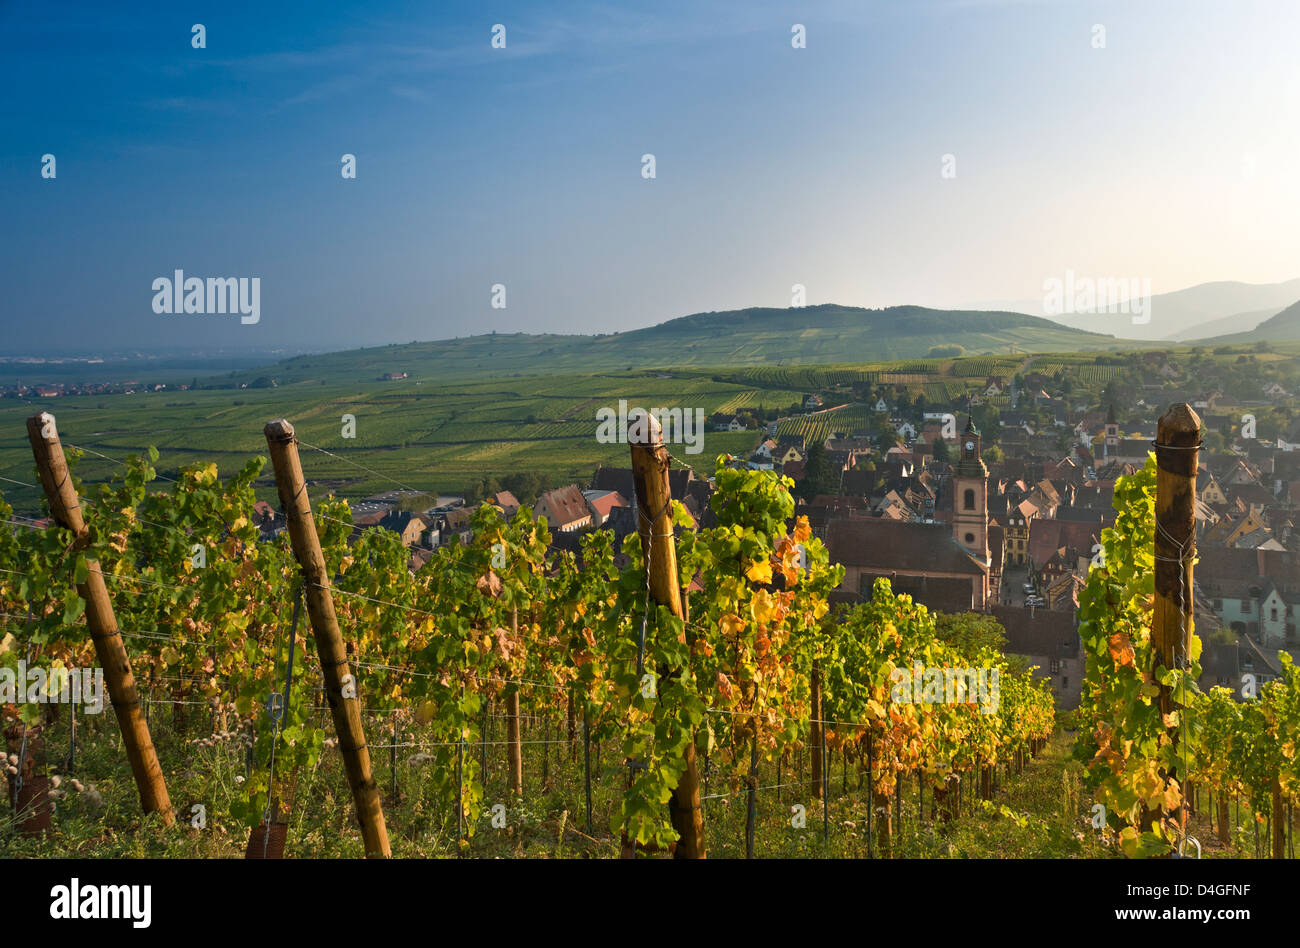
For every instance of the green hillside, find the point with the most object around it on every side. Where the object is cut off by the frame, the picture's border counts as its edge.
(806, 336)
(830, 333)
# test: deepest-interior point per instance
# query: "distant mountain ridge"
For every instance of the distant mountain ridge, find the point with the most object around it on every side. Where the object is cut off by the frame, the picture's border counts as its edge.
(1189, 313)
(1284, 327)
(1183, 313)
(1236, 323)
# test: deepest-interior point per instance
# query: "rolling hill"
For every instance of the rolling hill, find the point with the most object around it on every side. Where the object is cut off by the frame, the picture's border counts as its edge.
(756, 336)
(1284, 327)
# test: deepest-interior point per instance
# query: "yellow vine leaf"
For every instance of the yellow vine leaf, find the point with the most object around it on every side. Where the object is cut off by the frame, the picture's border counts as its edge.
(764, 606)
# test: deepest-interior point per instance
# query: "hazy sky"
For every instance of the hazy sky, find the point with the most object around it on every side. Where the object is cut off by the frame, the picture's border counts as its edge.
(1173, 154)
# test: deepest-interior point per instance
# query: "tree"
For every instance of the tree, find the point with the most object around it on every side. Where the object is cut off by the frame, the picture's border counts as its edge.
(988, 420)
(819, 475)
(482, 489)
(525, 485)
(968, 632)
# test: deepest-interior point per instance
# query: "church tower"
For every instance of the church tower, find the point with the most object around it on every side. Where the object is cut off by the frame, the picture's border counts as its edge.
(1112, 433)
(970, 494)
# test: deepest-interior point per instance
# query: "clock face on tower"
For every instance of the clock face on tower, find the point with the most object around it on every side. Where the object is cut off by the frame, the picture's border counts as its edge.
(970, 445)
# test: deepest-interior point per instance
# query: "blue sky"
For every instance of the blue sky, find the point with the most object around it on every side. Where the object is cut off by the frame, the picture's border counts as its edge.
(1171, 154)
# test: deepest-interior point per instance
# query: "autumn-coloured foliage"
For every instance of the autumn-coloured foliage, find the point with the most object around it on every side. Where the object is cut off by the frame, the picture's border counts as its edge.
(208, 606)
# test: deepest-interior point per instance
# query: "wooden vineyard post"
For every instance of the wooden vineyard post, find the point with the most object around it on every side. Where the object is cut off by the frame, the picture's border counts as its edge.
(514, 742)
(572, 722)
(881, 802)
(871, 795)
(654, 523)
(329, 641)
(817, 739)
(751, 800)
(1278, 821)
(586, 762)
(110, 652)
(1178, 438)
(826, 790)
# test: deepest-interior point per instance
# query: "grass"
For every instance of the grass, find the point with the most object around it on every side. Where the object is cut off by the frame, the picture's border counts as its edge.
(1040, 813)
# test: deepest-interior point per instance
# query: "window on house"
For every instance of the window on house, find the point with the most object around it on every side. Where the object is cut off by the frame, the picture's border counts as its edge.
(1218, 605)
(1273, 614)
(968, 501)
(970, 538)
(1245, 606)
(1065, 682)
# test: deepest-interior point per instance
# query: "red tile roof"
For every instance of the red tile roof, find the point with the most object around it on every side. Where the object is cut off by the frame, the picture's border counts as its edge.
(905, 547)
(567, 503)
(1048, 536)
(603, 505)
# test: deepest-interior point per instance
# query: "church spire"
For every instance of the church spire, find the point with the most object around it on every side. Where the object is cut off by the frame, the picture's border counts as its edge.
(970, 521)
